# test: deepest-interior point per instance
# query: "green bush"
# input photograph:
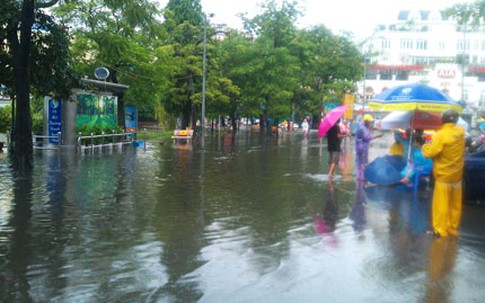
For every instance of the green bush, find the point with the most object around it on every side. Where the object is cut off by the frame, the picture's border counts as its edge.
(99, 130)
(5, 118)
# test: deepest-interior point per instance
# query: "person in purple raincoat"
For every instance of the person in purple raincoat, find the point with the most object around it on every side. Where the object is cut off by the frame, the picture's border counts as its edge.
(363, 136)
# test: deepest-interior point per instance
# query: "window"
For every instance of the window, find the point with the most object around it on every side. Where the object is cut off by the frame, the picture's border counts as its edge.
(476, 45)
(406, 44)
(463, 45)
(482, 97)
(386, 43)
(385, 75)
(370, 75)
(402, 75)
(481, 102)
(421, 44)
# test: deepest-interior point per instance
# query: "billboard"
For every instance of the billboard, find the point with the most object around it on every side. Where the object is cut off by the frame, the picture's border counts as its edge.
(96, 110)
(349, 101)
(130, 118)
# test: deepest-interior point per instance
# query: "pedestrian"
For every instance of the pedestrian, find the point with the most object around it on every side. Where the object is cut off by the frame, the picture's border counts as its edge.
(447, 149)
(334, 140)
(305, 126)
(363, 136)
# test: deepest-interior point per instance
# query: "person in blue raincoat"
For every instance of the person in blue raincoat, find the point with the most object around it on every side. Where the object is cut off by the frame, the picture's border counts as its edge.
(416, 162)
(363, 136)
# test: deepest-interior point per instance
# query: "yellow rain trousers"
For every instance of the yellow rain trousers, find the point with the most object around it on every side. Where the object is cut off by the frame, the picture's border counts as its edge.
(447, 150)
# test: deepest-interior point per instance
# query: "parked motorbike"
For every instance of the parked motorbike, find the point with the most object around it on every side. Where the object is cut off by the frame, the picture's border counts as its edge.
(477, 143)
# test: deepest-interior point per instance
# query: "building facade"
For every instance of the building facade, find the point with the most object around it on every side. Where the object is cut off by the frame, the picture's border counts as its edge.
(428, 47)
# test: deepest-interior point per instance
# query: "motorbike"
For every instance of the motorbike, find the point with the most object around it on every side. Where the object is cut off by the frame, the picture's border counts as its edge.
(477, 143)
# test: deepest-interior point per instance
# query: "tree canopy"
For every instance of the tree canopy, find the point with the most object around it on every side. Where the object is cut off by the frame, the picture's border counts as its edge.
(272, 68)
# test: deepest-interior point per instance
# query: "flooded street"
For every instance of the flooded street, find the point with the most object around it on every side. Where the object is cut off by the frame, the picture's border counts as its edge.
(250, 219)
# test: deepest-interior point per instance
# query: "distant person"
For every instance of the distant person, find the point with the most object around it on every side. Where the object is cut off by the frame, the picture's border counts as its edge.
(334, 141)
(447, 150)
(397, 147)
(363, 136)
(305, 126)
(344, 128)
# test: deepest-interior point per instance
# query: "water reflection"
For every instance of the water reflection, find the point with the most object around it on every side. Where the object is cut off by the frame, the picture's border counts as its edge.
(20, 251)
(247, 219)
(357, 215)
(442, 255)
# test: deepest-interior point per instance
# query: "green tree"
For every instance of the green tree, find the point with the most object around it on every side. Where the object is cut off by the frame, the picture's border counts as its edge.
(467, 14)
(34, 61)
(330, 66)
(271, 68)
(184, 23)
(126, 37)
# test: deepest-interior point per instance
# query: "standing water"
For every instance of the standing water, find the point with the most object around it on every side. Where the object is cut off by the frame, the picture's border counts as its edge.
(247, 219)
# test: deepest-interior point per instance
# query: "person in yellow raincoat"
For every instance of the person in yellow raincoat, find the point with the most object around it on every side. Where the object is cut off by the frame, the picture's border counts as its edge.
(447, 150)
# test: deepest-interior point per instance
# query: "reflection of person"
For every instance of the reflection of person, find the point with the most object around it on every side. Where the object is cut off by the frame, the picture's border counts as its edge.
(334, 140)
(446, 149)
(305, 126)
(357, 214)
(442, 255)
(363, 137)
(417, 162)
(326, 223)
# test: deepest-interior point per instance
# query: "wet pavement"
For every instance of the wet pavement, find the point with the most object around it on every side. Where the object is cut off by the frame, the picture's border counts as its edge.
(249, 219)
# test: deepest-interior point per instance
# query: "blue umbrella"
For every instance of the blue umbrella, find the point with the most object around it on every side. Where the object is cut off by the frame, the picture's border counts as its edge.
(414, 96)
(385, 170)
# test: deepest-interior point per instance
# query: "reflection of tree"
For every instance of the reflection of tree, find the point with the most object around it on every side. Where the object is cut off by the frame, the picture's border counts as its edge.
(182, 237)
(14, 283)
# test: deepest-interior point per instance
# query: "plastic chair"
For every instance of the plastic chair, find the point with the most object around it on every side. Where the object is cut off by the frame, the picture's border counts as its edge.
(420, 172)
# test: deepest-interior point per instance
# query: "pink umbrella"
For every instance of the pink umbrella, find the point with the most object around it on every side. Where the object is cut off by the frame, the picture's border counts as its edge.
(330, 119)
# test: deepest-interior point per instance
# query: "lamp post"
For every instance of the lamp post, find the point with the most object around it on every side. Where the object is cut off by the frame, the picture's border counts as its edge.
(366, 61)
(202, 122)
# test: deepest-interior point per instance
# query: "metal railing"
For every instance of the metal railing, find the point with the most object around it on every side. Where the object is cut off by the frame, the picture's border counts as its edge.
(93, 142)
(39, 141)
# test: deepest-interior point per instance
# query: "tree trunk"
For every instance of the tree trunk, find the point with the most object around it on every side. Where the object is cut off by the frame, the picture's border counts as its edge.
(121, 110)
(120, 102)
(23, 150)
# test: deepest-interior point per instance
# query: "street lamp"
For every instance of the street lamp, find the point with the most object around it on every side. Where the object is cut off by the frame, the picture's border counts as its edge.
(366, 61)
(202, 122)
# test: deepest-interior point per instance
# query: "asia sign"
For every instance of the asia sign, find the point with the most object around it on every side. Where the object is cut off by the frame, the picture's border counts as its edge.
(446, 73)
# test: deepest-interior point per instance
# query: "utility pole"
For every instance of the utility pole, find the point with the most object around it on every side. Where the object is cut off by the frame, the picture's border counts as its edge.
(204, 58)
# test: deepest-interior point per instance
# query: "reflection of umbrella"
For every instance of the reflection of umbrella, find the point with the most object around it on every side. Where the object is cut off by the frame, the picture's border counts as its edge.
(330, 119)
(414, 96)
(385, 170)
(415, 119)
(384, 195)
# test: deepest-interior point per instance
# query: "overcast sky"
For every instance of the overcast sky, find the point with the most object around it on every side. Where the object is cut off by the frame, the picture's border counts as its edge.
(357, 16)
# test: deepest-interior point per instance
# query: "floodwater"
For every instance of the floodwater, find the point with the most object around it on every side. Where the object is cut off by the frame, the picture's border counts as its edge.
(249, 219)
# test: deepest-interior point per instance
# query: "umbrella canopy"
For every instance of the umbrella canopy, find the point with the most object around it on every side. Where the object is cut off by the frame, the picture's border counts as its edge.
(414, 96)
(415, 119)
(330, 119)
(385, 170)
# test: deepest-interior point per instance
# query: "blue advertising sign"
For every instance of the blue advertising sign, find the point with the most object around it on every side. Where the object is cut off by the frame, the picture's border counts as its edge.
(130, 118)
(54, 122)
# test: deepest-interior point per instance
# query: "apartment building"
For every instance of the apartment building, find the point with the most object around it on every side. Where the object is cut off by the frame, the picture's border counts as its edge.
(428, 47)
